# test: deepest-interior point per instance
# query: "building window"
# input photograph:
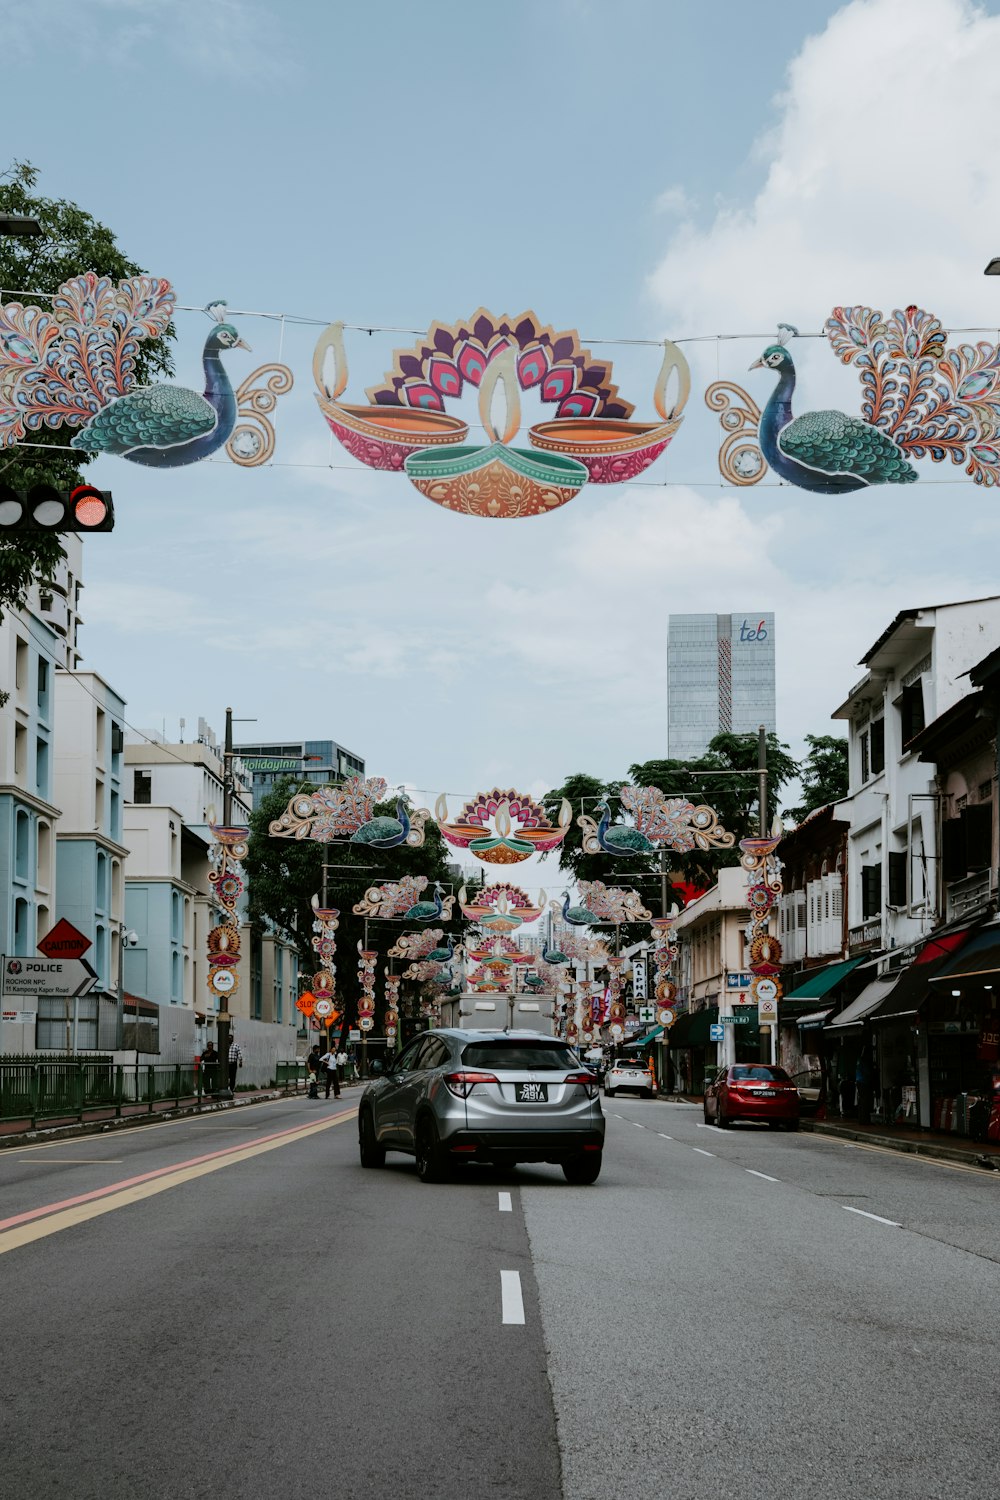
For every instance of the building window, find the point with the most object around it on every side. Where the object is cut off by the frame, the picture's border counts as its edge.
(911, 711)
(22, 833)
(871, 891)
(985, 791)
(20, 752)
(21, 666)
(43, 685)
(42, 767)
(865, 756)
(877, 744)
(897, 879)
(142, 788)
(22, 916)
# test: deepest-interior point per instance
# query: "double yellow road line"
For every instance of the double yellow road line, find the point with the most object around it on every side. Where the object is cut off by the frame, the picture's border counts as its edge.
(37, 1223)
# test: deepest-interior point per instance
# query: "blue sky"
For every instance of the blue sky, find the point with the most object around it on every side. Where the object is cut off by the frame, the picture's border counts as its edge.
(630, 171)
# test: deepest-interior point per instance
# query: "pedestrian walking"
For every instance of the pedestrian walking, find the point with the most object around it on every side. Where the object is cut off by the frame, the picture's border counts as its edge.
(328, 1062)
(312, 1063)
(209, 1067)
(235, 1061)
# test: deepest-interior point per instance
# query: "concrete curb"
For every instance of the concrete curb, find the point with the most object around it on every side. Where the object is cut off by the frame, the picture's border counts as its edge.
(107, 1127)
(916, 1147)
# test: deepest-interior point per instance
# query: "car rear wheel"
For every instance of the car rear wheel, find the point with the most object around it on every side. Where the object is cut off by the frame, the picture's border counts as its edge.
(372, 1154)
(720, 1118)
(609, 1093)
(704, 1110)
(430, 1157)
(791, 1124)
(581, 1170)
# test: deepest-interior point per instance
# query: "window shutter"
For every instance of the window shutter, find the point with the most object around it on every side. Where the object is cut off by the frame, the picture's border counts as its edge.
(911, 711)
(871, 890)
(977, 820)
(877, 744)
(897, 879)
(955, 864)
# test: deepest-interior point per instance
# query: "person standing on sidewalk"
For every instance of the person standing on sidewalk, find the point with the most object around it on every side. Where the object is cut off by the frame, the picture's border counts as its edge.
(328, 1062)
(209, 1065)
(235, 1061)
(312, 1064)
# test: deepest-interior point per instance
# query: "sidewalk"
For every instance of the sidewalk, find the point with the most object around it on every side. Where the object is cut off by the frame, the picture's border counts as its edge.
(912, 1141)
(57, 1130)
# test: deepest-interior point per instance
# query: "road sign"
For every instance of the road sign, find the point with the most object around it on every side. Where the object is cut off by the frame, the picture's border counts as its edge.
(740, 1019)
(354, 1035)
(716, 1032)
(47, 976)
(767, 1010)
(646, 1013)
(64, 941)
(639, 978)
(740, 981)
(306, 1003)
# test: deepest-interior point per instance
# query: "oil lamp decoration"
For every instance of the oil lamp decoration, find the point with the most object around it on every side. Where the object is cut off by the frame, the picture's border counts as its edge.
(503, 827)
(658, 822)
(391, 1017)
(664, 954)
(401, 898)
(226, 879)
(367, 959)
(501, 908)
(346, 813)
(404, 426)
(764, 951)
(326, 920)
(616, 1010)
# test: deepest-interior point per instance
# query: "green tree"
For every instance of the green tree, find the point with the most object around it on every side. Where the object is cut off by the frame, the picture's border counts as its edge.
(824, 774)
(71, 242)
(283, 875)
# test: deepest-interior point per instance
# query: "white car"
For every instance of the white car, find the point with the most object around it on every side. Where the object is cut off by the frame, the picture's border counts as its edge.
(628, 1073)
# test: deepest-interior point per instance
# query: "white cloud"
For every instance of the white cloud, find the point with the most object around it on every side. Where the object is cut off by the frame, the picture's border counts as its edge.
(885, 154)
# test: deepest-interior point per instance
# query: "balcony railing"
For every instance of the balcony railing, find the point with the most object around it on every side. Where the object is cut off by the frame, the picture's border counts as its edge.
(964, 897)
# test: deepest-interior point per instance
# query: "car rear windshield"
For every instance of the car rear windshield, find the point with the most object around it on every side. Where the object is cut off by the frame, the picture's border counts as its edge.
(539, 1056)
(760, 1074)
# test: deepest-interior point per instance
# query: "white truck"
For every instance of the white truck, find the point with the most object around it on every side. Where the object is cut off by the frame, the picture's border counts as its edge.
(521, 1012)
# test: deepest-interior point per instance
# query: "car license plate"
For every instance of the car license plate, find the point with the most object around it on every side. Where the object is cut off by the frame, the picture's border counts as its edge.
(767, 1093)
(531, 1093)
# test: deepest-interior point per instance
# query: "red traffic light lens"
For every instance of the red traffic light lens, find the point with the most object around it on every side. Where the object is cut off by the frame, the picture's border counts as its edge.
(88, 506)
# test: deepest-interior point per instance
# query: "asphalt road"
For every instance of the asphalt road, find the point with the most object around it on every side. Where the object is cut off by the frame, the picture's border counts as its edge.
(230, 1305)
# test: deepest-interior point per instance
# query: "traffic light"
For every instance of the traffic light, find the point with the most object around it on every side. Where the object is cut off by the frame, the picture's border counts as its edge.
(44, 508)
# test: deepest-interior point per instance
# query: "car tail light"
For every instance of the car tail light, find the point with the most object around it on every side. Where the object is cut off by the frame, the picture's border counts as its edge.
(462, 1084)
(587, 1082)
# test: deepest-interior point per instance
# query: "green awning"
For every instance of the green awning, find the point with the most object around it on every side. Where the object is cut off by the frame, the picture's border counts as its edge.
(692, 1029)
(822, 981)
(649, 1037)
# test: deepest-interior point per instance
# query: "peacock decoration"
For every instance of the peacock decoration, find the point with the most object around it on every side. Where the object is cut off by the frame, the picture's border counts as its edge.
(426, 911)
(577, 916)
(399, 898)
(553, 955)
(330, 814)
(920, 399)
(659, 822)
(75, 366)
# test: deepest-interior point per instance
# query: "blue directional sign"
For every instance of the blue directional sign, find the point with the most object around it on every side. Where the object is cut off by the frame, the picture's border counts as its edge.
(716, 1032)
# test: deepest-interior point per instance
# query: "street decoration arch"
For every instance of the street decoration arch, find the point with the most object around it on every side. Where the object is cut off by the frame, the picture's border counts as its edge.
(501, 907)
(401, 898)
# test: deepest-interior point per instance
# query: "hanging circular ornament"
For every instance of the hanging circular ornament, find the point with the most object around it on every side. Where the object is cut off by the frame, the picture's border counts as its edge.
(223, 981)
(666, 1016)
(760, 897)
(765, 950)
(324, 981)
(617, 1030)
(365, 1023)
(666, 991)
(323, 1007)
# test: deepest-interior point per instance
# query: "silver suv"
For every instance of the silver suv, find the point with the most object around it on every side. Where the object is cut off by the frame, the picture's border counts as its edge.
(496, 1096)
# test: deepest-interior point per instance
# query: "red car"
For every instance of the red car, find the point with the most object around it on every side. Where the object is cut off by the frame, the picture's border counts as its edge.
(752, 1091)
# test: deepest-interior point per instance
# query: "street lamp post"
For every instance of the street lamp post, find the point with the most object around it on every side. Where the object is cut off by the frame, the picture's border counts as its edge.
(127, 938)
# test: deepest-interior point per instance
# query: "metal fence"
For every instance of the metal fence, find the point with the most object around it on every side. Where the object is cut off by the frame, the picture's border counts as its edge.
(72, 1090)
(292, 1075)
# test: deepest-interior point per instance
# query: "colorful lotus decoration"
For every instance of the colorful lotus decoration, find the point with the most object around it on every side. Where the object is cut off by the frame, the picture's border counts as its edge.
(334, 814)
(503, 827)
(501, 908)
(659, 822)
(226, 879)
(591, 437)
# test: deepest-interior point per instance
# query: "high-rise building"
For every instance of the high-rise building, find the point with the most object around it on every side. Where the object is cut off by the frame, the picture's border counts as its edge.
(321, 761)
(720, 679)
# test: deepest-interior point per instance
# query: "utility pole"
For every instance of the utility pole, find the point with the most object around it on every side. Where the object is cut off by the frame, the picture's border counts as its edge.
(222, 1020)
(762, 826)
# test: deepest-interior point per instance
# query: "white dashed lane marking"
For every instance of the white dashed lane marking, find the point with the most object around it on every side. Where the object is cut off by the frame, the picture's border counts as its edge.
(510, 1297)
(703, 1153)
(506, 1207)
(893, 1223)
(761, 1174)
(664, 1137)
